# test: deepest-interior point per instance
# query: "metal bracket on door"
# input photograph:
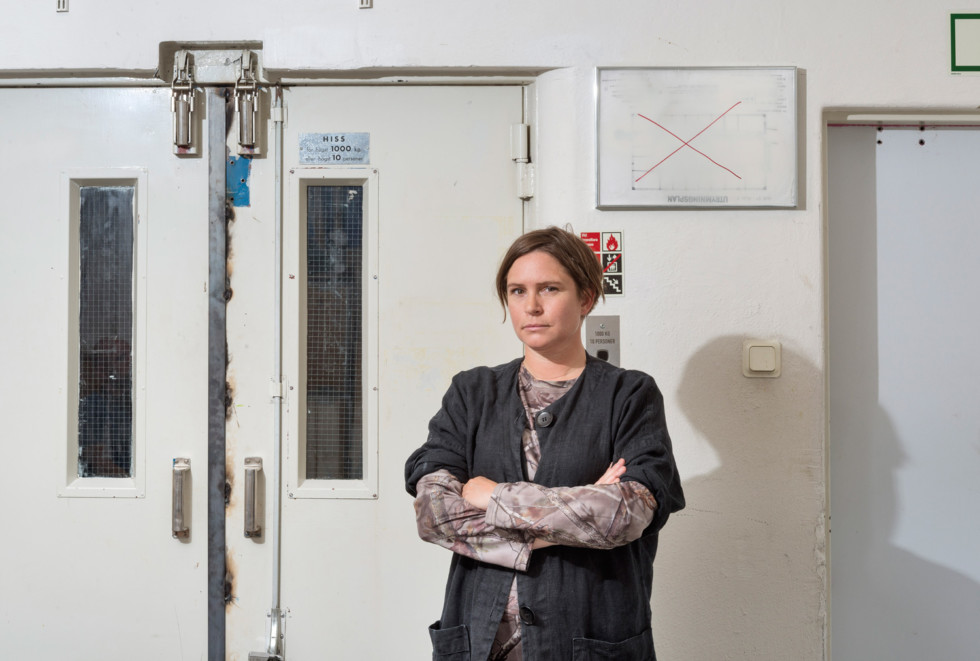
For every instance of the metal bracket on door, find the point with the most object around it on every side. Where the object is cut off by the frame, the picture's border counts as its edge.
(275, 652)
(182, 104)
(182, 468)
(247, 105)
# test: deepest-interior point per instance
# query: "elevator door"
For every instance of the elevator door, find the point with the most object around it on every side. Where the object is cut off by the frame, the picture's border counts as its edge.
(104, 264)
(904, 425)
(398, 204)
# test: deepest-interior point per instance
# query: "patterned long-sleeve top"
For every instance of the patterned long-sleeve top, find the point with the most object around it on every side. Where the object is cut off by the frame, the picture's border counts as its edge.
(593, 516)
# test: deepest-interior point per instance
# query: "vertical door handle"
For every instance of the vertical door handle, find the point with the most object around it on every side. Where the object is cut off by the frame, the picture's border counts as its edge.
(182, 469)
(253, 466)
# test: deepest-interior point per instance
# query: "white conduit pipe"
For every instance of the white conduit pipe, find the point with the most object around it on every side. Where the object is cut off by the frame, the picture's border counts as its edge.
(275, 637)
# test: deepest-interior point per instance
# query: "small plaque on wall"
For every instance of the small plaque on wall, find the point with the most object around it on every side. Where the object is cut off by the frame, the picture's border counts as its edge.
(335, 148)
(696, 138)
(602, 337)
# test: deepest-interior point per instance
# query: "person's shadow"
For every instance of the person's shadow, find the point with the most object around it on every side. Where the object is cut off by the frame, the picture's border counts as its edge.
(746, 556)
(887, 602)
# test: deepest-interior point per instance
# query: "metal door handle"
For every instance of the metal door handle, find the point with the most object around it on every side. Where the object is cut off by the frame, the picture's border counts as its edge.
(253, 465)
(182, 468)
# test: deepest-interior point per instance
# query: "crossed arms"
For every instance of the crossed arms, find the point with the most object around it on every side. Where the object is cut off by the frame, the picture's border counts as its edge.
(502, 523)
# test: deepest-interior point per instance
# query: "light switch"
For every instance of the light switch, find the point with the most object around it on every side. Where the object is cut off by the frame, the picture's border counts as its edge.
(761, 358)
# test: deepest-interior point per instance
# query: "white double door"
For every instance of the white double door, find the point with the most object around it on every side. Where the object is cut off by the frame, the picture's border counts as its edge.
(91, 567)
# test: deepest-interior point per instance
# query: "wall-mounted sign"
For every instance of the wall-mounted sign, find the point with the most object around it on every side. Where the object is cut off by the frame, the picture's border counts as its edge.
(696, 137)
(334, 148)
(608, 249)
(964, 42)
(602, 338)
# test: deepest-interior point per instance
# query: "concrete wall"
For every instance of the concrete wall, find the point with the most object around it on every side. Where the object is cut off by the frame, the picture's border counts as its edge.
(742, 572)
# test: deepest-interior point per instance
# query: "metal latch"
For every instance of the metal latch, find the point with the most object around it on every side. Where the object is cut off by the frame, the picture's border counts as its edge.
(182, 104)
(247, 105)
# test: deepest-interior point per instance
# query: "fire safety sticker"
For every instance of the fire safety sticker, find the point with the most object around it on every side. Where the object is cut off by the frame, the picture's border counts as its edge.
(608, 249)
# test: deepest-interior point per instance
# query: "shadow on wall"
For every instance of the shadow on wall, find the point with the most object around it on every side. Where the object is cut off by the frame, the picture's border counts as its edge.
(740, 573)
(740, 570)
(889, 603)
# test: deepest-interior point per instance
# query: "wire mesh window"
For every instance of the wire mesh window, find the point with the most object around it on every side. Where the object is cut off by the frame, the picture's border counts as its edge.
(105, 331)
(334, 400)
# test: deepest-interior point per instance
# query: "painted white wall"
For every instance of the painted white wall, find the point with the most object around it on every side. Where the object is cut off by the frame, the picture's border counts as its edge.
(742, 570)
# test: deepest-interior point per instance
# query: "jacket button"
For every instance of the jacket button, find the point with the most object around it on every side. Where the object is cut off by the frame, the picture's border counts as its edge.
(527, 615)
(544, 419)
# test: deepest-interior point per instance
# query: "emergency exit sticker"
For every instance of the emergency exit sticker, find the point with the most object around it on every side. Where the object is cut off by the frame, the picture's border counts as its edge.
(334, 148)
(608, 249)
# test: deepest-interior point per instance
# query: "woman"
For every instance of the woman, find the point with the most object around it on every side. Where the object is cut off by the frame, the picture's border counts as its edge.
(549, 477)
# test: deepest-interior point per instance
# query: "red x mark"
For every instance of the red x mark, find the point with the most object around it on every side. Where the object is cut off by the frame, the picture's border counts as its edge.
(687, 143)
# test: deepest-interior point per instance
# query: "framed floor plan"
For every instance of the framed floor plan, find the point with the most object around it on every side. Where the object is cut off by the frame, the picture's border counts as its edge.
(696, 137)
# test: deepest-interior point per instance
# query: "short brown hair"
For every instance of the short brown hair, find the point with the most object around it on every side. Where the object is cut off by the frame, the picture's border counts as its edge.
(569, 250)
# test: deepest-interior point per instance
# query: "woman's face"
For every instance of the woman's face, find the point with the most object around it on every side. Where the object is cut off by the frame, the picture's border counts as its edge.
(545, 305)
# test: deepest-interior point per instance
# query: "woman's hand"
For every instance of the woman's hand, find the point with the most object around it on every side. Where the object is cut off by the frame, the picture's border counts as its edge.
(611, 476)
(477, 492)
(613, 473)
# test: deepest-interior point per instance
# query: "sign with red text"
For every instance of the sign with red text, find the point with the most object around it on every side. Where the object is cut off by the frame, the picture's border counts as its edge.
(608, 249)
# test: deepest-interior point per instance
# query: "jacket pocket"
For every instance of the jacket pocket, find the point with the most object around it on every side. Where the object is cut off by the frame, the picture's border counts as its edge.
(637, 648)
(452, 644)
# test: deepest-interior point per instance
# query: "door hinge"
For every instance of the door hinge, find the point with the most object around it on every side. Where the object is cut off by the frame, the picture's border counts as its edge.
(525, 180)
(519, 140)
(182, 103)
(520, 153)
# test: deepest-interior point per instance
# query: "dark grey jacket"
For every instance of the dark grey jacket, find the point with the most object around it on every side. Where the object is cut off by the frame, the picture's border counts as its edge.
(576, 603)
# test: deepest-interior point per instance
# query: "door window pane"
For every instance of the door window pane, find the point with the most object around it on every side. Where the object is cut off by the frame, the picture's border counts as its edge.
(334, 235)
(105, 331)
